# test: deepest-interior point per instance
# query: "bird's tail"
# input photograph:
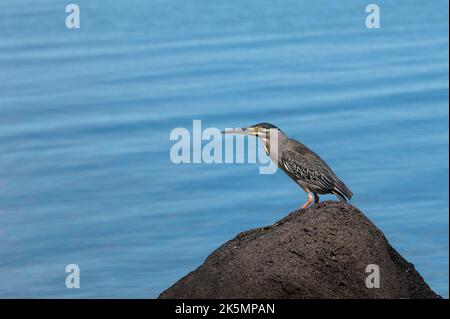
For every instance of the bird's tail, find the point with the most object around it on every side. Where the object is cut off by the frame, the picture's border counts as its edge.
(342, 191)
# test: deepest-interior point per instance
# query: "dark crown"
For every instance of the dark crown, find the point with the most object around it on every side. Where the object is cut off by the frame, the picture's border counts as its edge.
(265, 125)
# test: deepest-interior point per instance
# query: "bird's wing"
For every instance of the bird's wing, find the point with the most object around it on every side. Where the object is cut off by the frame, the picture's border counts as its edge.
(309, 168)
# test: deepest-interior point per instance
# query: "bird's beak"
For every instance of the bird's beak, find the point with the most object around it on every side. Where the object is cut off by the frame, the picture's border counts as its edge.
(246, 131)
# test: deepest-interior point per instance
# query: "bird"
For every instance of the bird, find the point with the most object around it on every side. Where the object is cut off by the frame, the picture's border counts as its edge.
(300, 163)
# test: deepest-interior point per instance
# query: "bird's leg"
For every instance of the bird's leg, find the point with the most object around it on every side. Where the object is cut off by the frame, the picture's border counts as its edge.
(316, 198)
(309, 201)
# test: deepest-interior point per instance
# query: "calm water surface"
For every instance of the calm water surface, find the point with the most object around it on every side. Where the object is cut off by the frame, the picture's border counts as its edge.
(85, 118)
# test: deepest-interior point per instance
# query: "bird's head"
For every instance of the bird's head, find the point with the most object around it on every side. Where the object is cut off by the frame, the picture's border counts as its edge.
(261, 130)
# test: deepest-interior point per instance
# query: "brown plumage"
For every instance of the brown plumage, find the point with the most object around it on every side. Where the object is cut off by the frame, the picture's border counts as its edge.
(303, 165)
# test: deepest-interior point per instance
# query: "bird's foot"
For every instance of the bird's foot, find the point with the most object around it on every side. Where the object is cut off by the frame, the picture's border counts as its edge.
(308, 202)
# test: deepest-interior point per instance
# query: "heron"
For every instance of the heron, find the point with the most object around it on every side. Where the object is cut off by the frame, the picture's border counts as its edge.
(300, 163)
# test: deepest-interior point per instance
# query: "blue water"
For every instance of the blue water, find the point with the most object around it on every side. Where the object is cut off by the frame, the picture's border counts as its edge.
(85, 118)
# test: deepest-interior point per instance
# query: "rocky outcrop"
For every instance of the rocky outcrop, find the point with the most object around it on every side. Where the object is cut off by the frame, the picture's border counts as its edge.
(319, 252)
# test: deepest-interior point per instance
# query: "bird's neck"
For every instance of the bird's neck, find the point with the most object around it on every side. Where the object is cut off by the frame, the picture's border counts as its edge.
(272, 143)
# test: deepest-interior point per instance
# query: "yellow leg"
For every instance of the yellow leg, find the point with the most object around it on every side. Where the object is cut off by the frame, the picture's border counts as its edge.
(316, 198)
(309, 201)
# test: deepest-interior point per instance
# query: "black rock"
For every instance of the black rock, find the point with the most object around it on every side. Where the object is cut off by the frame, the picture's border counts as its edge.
(319, 252)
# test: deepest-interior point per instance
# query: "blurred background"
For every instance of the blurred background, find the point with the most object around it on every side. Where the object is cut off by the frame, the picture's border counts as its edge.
(85, 118)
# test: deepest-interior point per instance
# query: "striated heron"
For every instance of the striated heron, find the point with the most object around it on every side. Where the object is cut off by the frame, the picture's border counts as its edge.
(304, 166)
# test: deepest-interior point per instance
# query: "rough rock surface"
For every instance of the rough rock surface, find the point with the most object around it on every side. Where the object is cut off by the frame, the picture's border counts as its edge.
(318, 252)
